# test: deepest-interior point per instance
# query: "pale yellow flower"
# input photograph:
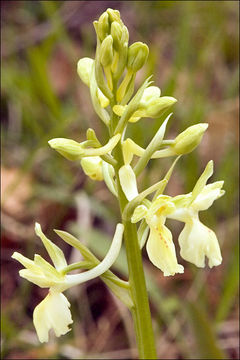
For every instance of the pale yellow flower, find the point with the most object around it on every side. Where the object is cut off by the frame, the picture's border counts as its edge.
(196, 240)
(160, 247)
(151, 105)
(53, 312)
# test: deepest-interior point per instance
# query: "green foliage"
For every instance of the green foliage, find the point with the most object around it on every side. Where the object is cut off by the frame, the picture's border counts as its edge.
(204, 335)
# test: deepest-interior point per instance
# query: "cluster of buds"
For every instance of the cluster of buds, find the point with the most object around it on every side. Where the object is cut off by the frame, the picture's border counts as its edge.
(111, 79)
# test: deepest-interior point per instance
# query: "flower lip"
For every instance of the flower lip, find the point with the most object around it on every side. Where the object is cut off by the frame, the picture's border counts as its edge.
(197, 241)
(52, 313)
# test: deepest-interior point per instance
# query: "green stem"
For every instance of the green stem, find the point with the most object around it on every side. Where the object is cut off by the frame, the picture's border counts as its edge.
(141, 311)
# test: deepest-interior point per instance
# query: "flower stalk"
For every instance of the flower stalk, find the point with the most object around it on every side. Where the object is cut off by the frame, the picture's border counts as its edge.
(141, 310)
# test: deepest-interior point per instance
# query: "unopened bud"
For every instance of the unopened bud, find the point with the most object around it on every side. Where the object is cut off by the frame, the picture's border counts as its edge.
(158, 106)
(137, 56)
(68, 148)
(102, 26)
(106, 51)
(114, 15)
(92, 166)
(189, 139)
(116, 32)
(125, 34)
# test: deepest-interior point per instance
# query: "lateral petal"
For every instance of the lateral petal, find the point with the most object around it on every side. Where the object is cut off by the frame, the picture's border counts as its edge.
(53, 250)
(197, 241)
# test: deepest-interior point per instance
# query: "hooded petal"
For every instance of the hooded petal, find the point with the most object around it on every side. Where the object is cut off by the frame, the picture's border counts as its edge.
(150, 93)
(162, 205)
(52, 313)
(161, 250)
(208, 195)
(197, 241)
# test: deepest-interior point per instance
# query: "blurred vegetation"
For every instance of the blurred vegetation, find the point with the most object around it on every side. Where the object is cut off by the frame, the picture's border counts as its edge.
(194, 57)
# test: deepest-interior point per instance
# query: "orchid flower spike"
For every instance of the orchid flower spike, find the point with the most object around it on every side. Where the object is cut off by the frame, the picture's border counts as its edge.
(197, 240)
(160, 247)
(53, 312)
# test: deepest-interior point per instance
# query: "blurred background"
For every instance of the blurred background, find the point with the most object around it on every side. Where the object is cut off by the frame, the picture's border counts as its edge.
(193, 57)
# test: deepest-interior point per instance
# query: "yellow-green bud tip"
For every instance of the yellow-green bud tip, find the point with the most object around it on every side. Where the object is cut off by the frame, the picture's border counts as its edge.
(114, 15)
(106, 51)
(189, 139)
(137, 56)
(68, 148)
(158, 106)
(116, 32)
(102, 26)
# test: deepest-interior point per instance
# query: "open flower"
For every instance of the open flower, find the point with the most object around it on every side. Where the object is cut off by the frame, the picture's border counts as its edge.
(151, 105)
(197, 240)
(53, 312)
(160, 247)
